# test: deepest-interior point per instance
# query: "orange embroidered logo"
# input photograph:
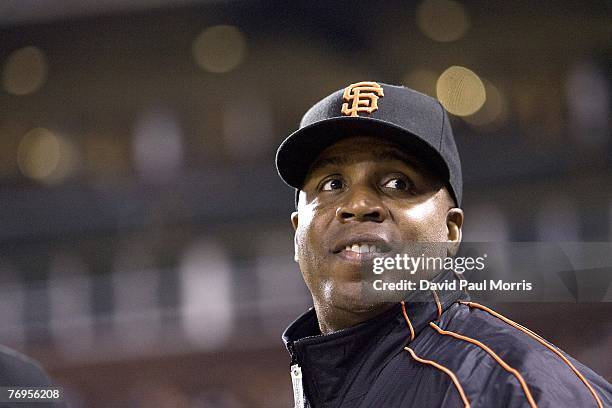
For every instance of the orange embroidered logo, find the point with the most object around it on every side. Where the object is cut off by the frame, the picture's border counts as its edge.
(361, 97)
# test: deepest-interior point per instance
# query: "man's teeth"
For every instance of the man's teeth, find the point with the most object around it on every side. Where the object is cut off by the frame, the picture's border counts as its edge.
(362, 248)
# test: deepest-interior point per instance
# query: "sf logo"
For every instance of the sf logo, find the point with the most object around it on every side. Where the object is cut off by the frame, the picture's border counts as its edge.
(361, 97)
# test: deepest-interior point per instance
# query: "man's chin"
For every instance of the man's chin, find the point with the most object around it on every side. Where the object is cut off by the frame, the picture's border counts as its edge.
(357, 297)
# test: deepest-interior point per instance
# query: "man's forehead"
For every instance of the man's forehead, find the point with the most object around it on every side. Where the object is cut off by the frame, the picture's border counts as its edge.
(355, 149)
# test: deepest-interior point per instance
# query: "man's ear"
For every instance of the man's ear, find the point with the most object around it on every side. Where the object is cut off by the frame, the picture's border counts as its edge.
(294, 222)
(454, 222)
(294, 219)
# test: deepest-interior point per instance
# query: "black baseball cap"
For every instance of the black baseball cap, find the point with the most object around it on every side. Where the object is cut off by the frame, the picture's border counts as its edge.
(414, 121)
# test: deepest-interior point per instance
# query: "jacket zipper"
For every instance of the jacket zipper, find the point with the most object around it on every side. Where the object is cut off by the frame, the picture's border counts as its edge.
(298, 388)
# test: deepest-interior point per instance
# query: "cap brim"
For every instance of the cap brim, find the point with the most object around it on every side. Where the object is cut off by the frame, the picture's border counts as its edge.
(297, 153)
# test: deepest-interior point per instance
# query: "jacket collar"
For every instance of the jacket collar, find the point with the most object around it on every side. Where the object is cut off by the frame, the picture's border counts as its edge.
(353, 357)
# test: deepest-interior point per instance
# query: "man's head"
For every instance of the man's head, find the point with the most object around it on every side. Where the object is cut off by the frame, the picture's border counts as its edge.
(374, 185)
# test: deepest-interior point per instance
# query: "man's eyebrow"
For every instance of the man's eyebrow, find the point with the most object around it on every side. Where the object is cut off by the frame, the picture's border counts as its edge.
(380, 155)
(331, 161)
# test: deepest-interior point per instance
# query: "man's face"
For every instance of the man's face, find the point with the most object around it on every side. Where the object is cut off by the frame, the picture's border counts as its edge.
(367, 192)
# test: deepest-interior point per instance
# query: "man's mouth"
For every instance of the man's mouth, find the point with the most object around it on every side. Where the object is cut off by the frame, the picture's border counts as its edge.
(362, 248)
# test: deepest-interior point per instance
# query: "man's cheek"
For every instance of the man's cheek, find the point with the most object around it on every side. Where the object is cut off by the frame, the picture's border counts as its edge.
(422, 222)
(420, 211)
(306, 215)
(308, 247)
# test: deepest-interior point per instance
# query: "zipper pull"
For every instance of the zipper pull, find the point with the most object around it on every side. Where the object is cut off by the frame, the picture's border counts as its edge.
(298, 389)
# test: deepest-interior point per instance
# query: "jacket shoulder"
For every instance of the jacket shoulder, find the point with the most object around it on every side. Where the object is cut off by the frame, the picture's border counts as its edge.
(515, 363)
(17, 369)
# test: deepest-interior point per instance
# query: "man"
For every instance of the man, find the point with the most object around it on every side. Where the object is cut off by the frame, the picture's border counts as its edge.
(377, 174)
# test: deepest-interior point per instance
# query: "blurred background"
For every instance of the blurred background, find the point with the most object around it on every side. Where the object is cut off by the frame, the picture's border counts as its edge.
(145, 243)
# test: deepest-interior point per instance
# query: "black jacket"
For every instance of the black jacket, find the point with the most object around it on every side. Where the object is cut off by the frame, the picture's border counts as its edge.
(449, 365)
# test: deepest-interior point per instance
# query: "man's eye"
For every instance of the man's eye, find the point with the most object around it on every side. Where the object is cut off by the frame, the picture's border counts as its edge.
(397, 184)
(333, 184)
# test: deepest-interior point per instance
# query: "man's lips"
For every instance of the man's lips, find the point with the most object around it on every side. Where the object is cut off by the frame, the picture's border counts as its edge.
(359, 257)
(362, 247)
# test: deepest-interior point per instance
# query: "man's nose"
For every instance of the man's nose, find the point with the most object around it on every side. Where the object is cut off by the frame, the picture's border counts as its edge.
(361, 204)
